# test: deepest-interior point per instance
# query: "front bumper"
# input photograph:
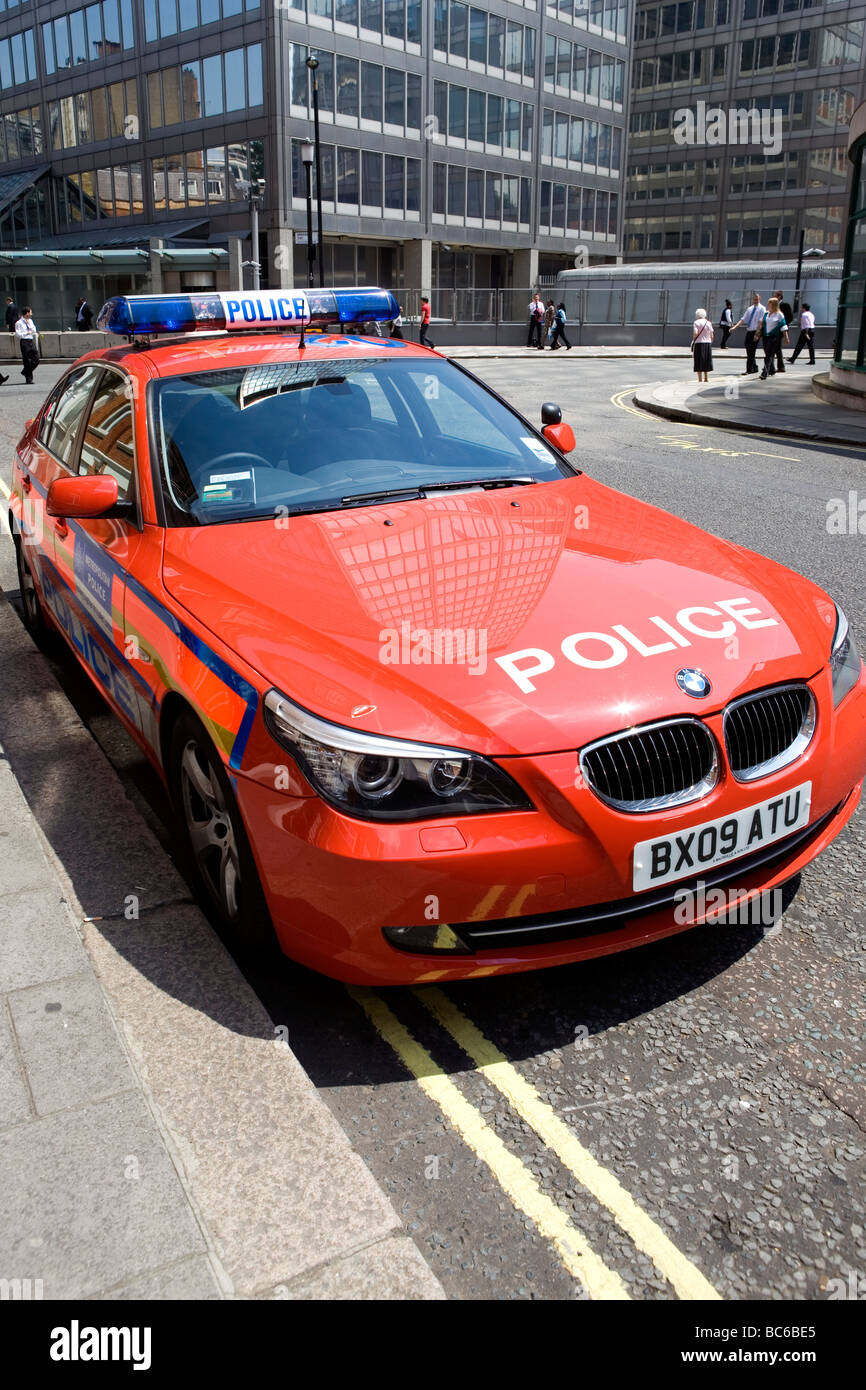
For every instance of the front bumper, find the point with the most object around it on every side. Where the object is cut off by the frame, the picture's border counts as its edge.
(519, 889)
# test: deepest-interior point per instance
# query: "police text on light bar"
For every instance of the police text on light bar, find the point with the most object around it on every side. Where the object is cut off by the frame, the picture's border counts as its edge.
(243, 311)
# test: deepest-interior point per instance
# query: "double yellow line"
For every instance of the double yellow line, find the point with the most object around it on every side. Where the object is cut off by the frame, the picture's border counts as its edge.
(571, 1244)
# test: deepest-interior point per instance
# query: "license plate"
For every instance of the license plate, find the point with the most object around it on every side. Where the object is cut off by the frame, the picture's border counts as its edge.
(704, 846)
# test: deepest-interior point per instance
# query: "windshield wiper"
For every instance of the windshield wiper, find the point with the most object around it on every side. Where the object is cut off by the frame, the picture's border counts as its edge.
(404, 494)
(475, 482)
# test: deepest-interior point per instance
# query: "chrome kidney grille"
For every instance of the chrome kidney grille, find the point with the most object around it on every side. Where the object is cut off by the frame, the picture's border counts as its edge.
(658, 765)
(767, 731)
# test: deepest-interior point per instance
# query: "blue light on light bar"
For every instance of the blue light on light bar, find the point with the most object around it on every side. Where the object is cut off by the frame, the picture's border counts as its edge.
(244, 310)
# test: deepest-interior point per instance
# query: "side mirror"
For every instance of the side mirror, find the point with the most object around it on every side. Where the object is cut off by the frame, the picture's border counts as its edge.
(91, 495)
(561, 436)
(550, 413)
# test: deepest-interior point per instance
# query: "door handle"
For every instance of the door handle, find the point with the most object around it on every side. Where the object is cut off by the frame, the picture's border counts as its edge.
(60, 526)
(25, 482)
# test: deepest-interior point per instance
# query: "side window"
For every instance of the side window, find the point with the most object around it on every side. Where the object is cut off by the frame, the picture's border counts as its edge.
(48, 413)
(67, 411)
(108, 445)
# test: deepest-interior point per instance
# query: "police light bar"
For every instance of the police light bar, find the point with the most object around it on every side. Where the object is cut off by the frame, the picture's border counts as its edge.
(242, 311)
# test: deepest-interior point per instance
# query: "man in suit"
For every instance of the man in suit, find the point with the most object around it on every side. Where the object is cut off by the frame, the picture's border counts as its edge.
(83, 316)
(751, 320)
(28, 338)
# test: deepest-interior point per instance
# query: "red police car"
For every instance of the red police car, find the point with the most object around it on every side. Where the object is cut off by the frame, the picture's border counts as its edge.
(430, 701)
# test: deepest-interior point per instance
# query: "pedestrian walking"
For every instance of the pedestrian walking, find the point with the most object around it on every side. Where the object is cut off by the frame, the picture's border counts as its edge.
(425, 323)
(788, 312)
(83, 316)
(807, 336)
(702, 344)
(547, 325)
(397, 323)
(726, 323)
(536, 318)
(13, 313)
(559, 322)
(751, 321)
(773, 328)
(28, 341)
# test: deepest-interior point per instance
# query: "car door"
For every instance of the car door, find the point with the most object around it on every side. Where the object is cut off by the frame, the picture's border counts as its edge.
(93, 556)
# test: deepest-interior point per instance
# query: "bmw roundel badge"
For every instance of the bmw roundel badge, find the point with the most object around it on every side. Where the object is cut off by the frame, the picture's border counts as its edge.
(693, 682)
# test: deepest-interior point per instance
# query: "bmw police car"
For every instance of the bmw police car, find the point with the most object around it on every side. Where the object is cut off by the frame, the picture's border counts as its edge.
(431, 703)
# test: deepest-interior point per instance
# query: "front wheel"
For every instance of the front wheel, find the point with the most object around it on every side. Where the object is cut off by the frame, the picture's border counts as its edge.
(216, 841)
(31, 604)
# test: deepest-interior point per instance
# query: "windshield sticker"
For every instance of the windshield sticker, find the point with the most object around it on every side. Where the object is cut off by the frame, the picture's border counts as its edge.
(540, 450)
(230, 489)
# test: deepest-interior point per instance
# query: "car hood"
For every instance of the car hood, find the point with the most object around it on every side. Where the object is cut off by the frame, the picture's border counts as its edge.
(424, 619)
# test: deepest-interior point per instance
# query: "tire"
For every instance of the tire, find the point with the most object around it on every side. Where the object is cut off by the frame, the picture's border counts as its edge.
(31, 604)
(215, 839)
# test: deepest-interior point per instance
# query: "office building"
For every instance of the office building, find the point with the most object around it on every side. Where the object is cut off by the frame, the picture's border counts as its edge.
(739, 127)
(461, 146)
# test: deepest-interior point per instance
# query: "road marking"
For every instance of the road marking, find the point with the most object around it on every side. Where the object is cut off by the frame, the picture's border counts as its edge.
(4, 489)
(685, 1277)
(674, 439)
(618, 399)
(513, 1177)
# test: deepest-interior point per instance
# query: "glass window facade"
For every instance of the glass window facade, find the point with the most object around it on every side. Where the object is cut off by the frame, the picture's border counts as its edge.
(498, 123)
(221, 83)
(203, 178)
(480, 197)
(88, 35)
(488, 42)
(395, 22)
(101, 113)
(370, 183)
(17, 60)
(351, 90)
(21, 135)
(93, 195)
(165, 18)
(567, 207)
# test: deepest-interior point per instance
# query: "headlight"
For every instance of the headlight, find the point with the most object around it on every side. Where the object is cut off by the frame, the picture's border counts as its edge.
(388, 779)
(844, 659)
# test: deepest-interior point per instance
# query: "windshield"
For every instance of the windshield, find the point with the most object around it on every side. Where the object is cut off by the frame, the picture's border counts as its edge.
(294, 437)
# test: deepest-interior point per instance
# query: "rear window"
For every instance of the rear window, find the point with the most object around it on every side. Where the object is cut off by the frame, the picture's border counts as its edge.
(314, 435)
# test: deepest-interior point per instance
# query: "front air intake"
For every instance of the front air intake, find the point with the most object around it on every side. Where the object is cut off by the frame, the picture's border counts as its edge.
(650, 768)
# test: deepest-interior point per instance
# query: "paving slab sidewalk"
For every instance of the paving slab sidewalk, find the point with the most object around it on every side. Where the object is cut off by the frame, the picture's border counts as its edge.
(157, 1137)
(783, 405)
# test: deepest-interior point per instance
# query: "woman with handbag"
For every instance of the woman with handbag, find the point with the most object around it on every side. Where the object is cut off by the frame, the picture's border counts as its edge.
(702, 344)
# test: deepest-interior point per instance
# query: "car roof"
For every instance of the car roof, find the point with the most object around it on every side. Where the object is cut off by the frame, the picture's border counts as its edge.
(209, 352)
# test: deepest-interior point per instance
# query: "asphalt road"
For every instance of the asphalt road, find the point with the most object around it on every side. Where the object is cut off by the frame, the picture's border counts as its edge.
(671, 1122)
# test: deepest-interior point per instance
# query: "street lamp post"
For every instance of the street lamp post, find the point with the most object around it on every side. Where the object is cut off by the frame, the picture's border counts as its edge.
(307, 154)
(812, 254)
(257, 191)
(313, 65)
